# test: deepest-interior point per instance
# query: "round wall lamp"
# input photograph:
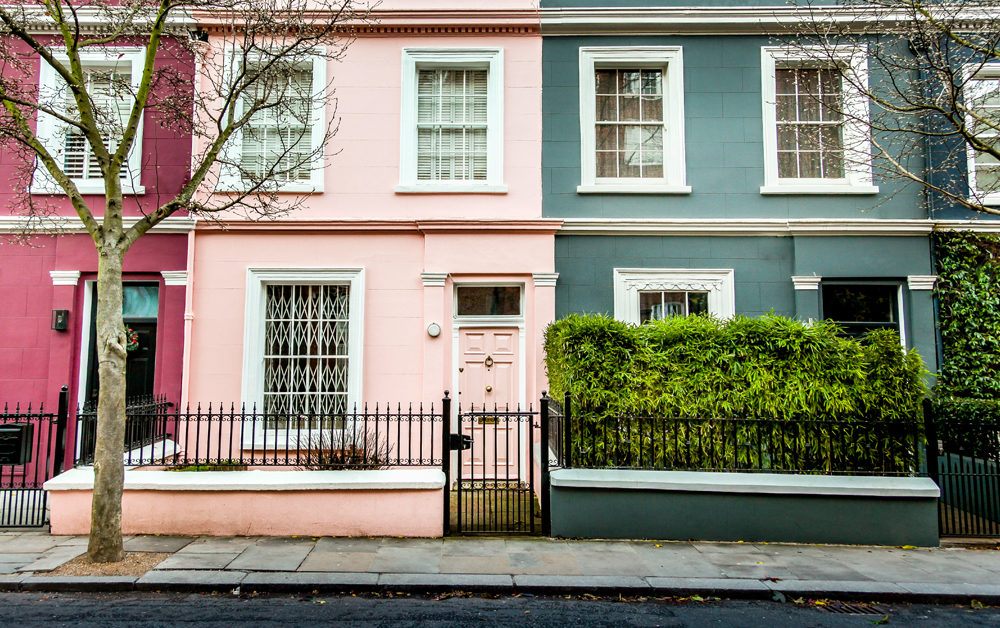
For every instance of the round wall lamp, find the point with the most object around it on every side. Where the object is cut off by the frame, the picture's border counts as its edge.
(433, 330)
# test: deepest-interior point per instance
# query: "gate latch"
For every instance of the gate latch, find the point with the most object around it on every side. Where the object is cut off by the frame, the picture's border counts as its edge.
(459, 442)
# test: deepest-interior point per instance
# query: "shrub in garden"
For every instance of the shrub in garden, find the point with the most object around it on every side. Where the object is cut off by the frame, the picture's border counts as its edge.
(769, 368)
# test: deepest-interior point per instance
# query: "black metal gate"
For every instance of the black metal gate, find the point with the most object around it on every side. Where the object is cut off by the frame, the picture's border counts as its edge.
(495, 479)
(964, 460)
(32, 450)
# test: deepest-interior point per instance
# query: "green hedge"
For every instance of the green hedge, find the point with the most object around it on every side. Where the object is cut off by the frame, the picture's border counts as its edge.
(769, 367)
(969, 294)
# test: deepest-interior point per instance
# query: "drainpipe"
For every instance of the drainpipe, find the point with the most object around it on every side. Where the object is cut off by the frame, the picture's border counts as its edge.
(188, 322)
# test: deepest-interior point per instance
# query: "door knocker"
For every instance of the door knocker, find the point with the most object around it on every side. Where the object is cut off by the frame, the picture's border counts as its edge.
(489, 361)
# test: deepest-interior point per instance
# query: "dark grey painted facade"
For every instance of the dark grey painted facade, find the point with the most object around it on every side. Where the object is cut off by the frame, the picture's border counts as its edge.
(682, 515)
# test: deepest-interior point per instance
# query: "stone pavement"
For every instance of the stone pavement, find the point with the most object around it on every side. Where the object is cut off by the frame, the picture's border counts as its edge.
(306, 564)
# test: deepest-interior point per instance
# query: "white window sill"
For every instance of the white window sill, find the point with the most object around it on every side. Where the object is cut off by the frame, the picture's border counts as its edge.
(297, 188)
(631, 188)
(450, 188)
(818, 188)
(991, 199)
(87, 188)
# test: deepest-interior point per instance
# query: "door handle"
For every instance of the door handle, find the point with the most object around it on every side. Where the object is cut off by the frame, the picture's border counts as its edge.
(489, 389)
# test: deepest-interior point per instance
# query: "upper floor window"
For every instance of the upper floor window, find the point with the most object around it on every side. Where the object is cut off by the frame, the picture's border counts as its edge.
(632, 120)
(281, 146)
(814, 138)
(452, 120)
(111, 77)
(982, 94)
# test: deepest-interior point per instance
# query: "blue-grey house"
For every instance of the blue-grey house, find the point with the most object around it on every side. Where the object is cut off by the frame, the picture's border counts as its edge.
(697, 169)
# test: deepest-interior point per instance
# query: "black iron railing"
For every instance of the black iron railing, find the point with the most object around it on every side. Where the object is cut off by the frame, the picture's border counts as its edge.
(32, 450)
(855, 447)
(145, 423)
(237, 437)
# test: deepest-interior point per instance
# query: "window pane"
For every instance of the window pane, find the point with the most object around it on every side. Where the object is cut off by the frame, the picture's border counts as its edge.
(607, 164)
(607, 109)
(628, 108)
(489, 300)
(140, 301)
(605, 81)
(628, 81)
(607, 137)
(859, 308)
(650, 306)
(697, 303)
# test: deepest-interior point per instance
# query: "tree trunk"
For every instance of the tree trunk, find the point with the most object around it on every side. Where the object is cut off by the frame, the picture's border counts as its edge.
(109, 470)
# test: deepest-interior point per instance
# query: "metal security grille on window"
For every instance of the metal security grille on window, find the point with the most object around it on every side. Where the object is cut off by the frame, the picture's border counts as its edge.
(655, 306)
(629, 124)
(810, 126)
(112, 99)
(277, 142)
(452, 125)
(985, 113)
(306, 330)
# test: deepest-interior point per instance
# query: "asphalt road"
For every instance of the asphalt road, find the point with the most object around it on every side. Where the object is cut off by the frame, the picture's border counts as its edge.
(135, 610)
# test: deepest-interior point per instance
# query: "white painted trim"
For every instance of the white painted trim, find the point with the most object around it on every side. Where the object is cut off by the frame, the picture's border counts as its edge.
(979, 226)
(669, 59)
(622, 188)
(72, 224)
(85, 320)
(818, 188)
(49, 129)
(858, 179)
(751, 483)
(82, 479)
(921, 282)
(434, 280)
(765, 226)
(464, 187)
(174, 277)
(545, 280)
(806, 282)
(253, 325)
(414, 59)
(64, 277)
(719, 282)
(701, 20)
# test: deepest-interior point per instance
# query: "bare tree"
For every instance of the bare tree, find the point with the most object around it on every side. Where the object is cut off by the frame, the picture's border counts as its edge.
(245, 78)
(929, 92)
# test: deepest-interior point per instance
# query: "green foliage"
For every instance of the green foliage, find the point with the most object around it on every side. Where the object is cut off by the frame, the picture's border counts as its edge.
(769, 367)
(968, 426)
(801, 386)
(969, 293)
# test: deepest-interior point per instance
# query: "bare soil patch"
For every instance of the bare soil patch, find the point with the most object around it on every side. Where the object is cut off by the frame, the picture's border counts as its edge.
(135, 564)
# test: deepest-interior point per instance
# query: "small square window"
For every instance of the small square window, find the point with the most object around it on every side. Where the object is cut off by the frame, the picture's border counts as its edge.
(861, 307)
(488, 300)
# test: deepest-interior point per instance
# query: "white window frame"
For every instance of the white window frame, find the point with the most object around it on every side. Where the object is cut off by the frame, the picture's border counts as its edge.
(974, 72)
(416, 59)
(49, 130)
(718, 282)
(858, 172)
(230, 179)
(669, 59)
(253, 332)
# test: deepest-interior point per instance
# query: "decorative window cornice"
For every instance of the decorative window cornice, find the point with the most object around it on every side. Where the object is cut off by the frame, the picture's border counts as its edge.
(806, 282)
(64, 277)
(921, 282)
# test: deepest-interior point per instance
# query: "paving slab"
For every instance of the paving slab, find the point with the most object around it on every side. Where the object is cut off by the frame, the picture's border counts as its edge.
(475, 564)
(190, 560)
(590, 584)
(474, 547)
(30, 544)
(12, 582)
(271, 556)
(220, 544)
(544, 563)
(157, 543)
(78, 583)
(348, 544)
(728, 587)
(406, 560)
(469, 582)
(55, 557)
(301, 581)
(323, 560)
(190, 580)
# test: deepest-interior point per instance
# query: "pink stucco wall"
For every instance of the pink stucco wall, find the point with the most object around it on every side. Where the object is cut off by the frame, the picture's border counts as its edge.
(414, 513)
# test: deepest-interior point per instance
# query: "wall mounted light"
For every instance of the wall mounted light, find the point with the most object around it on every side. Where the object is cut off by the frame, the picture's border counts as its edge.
(433, 330)
(60, 320)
